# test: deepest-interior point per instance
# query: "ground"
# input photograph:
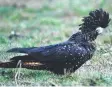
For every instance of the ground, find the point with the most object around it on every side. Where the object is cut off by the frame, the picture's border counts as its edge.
(50, 22)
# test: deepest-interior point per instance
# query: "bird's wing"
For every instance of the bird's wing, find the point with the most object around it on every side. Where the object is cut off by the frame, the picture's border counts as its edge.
(62, 52)
(59, 52)
(20, 50)
(30, 49)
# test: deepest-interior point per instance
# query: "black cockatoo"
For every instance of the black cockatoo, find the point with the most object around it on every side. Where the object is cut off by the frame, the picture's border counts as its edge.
(67, 56)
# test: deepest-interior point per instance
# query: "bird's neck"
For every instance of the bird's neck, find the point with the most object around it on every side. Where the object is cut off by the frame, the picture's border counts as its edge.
(82, 37)
(90, 36)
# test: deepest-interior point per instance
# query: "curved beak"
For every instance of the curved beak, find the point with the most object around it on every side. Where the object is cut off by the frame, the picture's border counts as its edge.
(100, 30)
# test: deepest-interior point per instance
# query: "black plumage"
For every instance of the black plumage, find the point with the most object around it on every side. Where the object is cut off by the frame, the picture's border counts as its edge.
(67, 56)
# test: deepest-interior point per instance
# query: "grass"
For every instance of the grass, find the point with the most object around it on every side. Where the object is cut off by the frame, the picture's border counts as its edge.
(52, 24)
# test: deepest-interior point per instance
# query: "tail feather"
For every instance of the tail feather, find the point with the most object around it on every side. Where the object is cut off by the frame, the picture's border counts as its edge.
(8, 65)
(13, 63)
(23, 58)
(20, 50)
(23, 64)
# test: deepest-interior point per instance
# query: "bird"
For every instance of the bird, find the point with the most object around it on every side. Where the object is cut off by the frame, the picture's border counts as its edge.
(64, 57)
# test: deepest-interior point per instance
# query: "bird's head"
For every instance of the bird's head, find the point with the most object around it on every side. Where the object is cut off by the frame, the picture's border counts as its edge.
(95, 23)
(96, 19)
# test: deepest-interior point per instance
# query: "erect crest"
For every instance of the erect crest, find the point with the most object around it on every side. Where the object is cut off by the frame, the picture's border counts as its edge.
(97, 18)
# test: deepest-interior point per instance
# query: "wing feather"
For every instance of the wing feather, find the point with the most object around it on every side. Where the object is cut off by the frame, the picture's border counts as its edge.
(60, 52)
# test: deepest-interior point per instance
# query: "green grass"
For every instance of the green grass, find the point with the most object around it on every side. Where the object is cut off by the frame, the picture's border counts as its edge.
(52, 24)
